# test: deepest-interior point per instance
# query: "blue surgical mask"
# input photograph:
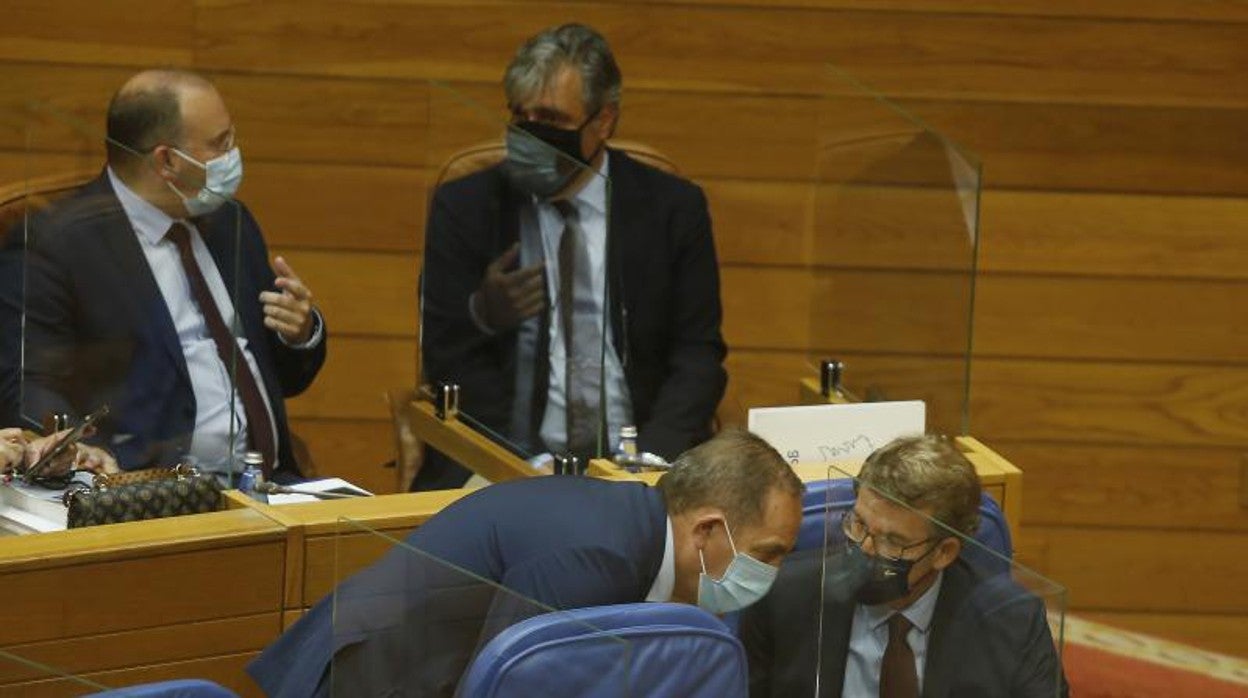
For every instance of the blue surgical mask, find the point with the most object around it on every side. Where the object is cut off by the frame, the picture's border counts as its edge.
(224, 175)
(744, 582)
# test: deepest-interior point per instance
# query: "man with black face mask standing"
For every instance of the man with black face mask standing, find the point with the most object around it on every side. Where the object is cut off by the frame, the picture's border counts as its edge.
(572, 290)
(895, 609)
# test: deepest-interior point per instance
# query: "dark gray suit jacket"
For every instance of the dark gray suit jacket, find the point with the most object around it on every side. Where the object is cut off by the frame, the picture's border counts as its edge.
(989, 638)
(97, 329)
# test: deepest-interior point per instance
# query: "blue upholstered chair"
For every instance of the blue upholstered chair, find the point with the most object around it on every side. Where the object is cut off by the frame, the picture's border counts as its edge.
(664, 650)
(836, 496)
(181, 688)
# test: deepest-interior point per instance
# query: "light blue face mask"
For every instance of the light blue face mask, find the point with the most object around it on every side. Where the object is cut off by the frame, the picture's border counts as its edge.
(223, 176)
(744, 582)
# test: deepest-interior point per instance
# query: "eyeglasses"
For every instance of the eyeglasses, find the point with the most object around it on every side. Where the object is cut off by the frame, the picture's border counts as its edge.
(887, 546)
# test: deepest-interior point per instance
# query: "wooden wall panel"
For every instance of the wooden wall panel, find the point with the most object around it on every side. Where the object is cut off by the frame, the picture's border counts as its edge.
(1074, 60)
(1112, 136)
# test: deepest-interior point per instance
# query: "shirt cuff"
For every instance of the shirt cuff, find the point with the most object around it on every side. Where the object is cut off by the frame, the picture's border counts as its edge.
(318, 333)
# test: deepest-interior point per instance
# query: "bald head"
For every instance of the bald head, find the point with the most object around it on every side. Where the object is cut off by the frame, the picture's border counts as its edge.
(148, 110)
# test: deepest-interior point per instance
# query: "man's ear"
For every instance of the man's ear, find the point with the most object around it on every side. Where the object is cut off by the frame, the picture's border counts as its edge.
(947, 550)
(606, 121)
(162, 162)
(704, 523)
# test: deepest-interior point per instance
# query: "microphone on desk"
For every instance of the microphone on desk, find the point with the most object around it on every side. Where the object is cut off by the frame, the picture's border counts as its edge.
(274, 488)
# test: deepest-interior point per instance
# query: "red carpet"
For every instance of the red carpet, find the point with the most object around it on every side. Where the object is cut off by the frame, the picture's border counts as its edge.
(1104, 662)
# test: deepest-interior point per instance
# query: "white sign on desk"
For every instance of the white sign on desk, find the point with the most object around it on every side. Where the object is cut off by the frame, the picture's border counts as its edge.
(840, 433)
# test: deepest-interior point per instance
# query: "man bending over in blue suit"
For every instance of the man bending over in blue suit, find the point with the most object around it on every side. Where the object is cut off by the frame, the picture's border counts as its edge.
(150, 290)
(713, 532)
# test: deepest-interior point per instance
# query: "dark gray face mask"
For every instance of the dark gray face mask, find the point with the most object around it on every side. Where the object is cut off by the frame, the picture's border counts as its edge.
(542, 159)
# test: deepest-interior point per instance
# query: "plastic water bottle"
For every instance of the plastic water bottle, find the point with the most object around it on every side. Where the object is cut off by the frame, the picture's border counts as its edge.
(626, 453)
(252, 476)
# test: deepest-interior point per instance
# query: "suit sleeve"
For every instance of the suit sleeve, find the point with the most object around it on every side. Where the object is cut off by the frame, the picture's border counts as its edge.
(453, 347)
(43, 351)
(695, 378)
(296, 367)
(1039, 670)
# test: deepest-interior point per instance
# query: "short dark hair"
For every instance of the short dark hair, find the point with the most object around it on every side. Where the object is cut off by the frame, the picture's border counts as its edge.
(140, 120)
(735, 471)
(142, 117)
(927, 472)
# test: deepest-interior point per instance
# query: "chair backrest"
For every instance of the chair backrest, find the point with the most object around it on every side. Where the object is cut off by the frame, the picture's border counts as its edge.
(664, 650)
(34, 194)
(824, 496)
(180, 688)
(484, 155)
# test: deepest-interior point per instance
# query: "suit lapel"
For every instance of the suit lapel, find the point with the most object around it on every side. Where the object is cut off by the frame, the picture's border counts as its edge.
(833, 650)
(625, 199)
(148, 309)
(940, 656)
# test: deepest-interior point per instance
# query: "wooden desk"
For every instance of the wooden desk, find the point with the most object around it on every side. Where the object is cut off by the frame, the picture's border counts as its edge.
(328, 540)
(152, 600)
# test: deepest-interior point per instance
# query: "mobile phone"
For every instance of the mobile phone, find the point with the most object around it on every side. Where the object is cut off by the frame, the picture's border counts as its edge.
(35, 471)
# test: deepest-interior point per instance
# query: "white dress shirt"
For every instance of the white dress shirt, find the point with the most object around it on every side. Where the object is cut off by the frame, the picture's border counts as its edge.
(868, 638)
(210, 378)
(541, 227)
(665, 580)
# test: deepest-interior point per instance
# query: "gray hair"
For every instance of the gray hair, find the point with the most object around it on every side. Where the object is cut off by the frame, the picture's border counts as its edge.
(539, 59)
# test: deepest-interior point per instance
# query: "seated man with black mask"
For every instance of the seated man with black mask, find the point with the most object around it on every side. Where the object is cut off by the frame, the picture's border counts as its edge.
(895, 610)
(496, 270)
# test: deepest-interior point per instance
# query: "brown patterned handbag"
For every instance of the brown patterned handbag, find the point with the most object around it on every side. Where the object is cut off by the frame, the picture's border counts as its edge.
(142, 494)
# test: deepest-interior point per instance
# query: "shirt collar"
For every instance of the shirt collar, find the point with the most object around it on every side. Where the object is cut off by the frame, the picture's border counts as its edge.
(593, 196)
(151, 223)
(918, 613)
(665, 580)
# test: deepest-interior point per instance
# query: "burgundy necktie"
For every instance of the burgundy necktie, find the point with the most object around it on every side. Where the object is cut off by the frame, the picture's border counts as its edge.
(897, 673)
(259, 426)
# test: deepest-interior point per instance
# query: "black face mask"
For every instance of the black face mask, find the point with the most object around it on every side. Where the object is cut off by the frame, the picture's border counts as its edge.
(879, 580)
(546, 160)
(564, 140)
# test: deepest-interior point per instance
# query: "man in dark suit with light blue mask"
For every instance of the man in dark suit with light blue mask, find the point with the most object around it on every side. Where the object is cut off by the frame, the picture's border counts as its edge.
(150, 290)
(713, 532)
(572, 290)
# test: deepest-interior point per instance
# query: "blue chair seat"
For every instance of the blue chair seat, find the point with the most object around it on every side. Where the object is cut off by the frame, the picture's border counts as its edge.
(658, 650)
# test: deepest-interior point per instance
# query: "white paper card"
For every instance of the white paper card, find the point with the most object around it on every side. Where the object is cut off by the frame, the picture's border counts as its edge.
(840, 433)
(325, 485)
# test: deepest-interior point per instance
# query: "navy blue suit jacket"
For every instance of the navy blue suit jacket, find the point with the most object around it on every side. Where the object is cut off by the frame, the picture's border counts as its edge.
(665, 312)
(988, 638)
(408, 625)
(97, 329)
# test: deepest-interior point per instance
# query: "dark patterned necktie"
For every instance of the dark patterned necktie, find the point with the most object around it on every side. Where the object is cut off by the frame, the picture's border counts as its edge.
(897, 674)
(582, 336)
(259, 425)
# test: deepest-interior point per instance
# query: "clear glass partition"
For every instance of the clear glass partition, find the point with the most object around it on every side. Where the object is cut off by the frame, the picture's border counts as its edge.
(525, 342)
(988, 625)
(895, 224)
(417, 623)
(29, 671)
